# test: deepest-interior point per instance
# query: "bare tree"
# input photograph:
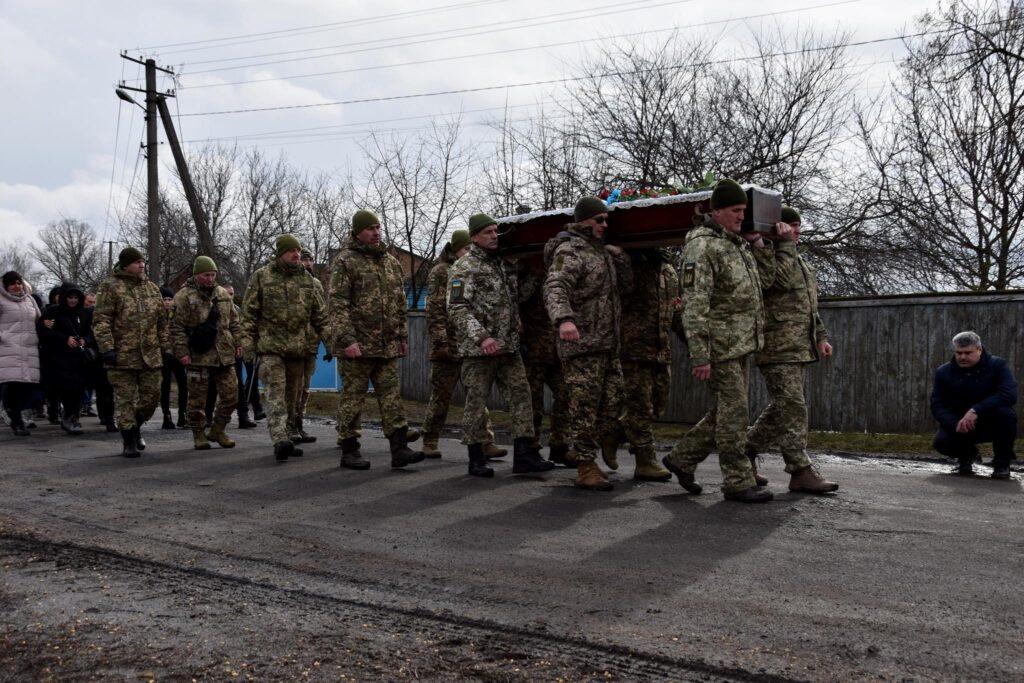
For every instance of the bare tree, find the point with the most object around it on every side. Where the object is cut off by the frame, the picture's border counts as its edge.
(951, 162)
(20, 260)
(256, 220)
(70, 252)
(327, 221)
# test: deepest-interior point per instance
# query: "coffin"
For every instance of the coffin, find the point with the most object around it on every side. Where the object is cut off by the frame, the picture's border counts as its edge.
(659, 222)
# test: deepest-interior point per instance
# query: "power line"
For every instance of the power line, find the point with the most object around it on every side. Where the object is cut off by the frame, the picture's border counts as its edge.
(571, 79)
(488, 28)
(113, 161)
(518, 49)
(304, 30)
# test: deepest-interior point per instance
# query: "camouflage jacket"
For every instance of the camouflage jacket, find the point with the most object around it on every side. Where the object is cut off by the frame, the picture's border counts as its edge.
(722, 278)
(367, 301)
(483, 301)
(129, 319)
(793, 327)
(280, 312)
(538, 333)
(443, 343)
(652, 311)
(583, 285)
(190, 309)
(312, 338)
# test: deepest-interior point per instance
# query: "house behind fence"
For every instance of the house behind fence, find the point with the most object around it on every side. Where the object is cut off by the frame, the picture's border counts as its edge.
(886, 351)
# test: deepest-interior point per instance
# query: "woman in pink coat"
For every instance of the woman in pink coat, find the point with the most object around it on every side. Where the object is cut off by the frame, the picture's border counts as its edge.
(19, 347)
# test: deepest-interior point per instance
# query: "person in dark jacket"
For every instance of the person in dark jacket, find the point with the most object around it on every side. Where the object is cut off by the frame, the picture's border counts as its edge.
(972, 400)
(172, 368)
(65, 345)
(49, 387)
(97, 378)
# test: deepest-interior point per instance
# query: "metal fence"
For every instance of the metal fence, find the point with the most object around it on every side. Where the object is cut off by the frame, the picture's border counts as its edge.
(886, 352)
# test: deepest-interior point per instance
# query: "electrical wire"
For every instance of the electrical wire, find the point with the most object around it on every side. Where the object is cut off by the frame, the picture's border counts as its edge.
(515, 49)
(113, 160)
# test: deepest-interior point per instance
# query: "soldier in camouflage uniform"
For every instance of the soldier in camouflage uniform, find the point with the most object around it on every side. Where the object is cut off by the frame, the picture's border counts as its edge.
(483, 306)
(646, 356)
(314, 348)
(369, 329)
(445, 362)
(723, 315)
(794, 336)
(540, 357)
(581, 293)
(130, 328)
(216, 365)
(282, 309)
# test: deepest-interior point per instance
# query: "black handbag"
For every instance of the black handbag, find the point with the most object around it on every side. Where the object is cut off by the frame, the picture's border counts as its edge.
(203, 336)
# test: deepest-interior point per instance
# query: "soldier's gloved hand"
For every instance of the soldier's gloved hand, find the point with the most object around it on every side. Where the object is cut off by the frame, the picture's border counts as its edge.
(109, 359)
(328, 357)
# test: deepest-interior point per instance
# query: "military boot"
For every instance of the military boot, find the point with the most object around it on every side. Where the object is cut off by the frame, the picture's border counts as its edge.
(751, 454)
(964, 467)
(199, 440)
(686, 479)
(610, 451)
(493, 452)
(217, 434)
(557, 454)
(401, 454)
(647, 467)
(128, 437)
(412, 435)
(301, 433)
(751, 495)
(525, 458)
(807, 480)
(283, 449)
(589, 476)
(430, 449)
(1000, 471)
(168, 422)
(140, 443)
(351, 458)
(244, 422)
(478, 462)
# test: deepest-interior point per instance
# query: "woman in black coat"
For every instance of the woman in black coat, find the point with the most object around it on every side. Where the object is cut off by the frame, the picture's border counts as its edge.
(66, 344)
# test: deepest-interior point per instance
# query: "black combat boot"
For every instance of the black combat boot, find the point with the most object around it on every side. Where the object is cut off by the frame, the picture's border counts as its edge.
(751, 495)
(401, 454)
(168, 422)
(526, 459)
(686, 479)
(965, 466)
(478, 461)
(303, 436)
(140, 443)
(283, 449)
(351, 458)
(128, 438)
(557, 455)
(244, 422)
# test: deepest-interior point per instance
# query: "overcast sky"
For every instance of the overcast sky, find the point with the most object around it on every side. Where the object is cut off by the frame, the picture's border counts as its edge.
(61, 61)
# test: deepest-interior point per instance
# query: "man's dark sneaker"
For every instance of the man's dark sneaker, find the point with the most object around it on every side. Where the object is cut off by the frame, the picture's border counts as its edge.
(168, 422)
(964, 468)
(751, 495)
(686, 479)
(258, 414)
(1001, 472)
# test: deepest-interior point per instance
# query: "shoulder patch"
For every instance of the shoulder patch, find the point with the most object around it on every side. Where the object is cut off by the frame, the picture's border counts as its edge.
(688, 274)
(457, 291)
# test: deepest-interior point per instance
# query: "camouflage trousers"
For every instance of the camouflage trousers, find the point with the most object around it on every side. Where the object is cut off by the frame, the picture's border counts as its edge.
(284, 379)
(725, 425)
(594, 388)
(646, 392)
(444, 375)
(537, 375)
(478, 375)
(300, 408)
(199, 380)
(136, 392)
(357, 374)
(784, 422)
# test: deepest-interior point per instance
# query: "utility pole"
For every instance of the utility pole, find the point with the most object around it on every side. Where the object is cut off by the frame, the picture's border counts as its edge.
(198, 215)
(110, 255)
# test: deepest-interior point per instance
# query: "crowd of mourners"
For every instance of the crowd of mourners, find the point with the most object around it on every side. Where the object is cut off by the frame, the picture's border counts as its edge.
(51, 369)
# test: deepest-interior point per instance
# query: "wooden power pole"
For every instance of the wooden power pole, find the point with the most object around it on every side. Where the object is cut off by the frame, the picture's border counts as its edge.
(152, 173)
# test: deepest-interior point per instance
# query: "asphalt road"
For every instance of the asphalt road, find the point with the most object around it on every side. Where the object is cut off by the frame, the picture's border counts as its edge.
(223, 563)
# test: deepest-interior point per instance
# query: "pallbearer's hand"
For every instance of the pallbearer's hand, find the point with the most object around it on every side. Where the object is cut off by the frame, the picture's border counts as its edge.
(353, 351)
(824, 349)
(567, 331)
(403, 349)
(489, 346)
(702, 373)
(784, 231)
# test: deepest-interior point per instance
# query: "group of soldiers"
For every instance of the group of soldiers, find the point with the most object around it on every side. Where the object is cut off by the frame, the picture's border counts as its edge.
(553, 320)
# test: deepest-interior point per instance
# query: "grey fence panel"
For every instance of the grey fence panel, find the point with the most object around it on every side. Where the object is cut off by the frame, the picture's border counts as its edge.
(879, 380)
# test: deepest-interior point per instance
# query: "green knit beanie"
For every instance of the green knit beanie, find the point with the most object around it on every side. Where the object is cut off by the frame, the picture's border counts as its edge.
(727, 192)
(363, 219)
(479, 221)
(285, 243)
(790, 215)
(460, 239)
(128, 256)
(588, 207)
(203, 264)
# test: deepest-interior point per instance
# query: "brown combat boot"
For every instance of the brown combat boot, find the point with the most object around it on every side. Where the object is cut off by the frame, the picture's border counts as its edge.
(808, 480)
(751, 453)
(610, 451)
(430, 448)
(493, 452)
(217, 434)
(589, 476)
(199, 441)
(648, 468)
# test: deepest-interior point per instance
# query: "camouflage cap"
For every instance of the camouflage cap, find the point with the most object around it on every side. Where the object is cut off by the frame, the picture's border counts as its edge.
(203, 264)
(286, 243)
(128, 256)
(727, 192)
(479, 221)
(790, 215)
(306, 254)
(588, 207)
(460, 239)
(363, 219)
